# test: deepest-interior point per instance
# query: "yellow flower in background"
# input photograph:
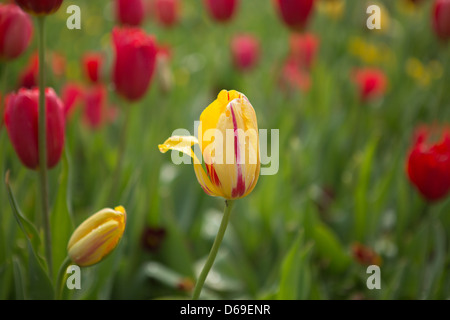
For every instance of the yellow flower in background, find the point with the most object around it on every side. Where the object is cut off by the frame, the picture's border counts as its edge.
(333, 9)
(370, 53)
(97, 236)
(423, 74)
(229, 142)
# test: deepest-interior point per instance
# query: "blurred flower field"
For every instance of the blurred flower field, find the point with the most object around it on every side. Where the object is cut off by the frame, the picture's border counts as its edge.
(363, 151)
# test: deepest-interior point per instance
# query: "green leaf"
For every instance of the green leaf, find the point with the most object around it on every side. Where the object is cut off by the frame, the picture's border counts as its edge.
(436, 267)
(362, 190)
(329, 247)
(61, 220)
(19, 279)
(26, 225)
(294, 271)
(39, 285)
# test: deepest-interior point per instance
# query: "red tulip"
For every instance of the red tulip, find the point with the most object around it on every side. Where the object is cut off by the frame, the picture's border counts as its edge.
(293, 77)
(441, 19)
(28, 78)
(1, 111)
(428, 165)
(295, 13)
(39, 7)
(94, 106)
(134, 63)
(71, 94)
(15, 31)
(221, 10)
(365, 255)
(371, 83)
(245, 51)
(130, 12)
(303, 49)
(92, 66)
(21, 120)
(167, 12)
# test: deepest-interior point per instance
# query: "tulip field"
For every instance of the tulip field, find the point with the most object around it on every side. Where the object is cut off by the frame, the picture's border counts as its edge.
(225, 150)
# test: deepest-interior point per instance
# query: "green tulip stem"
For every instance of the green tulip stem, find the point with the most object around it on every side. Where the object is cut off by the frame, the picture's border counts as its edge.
(43, 175)
(120, 154)
(61, 276)
(215, 248)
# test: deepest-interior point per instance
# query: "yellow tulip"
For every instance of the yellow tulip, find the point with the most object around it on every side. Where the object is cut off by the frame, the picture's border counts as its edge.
(229, 142)
(97, 236)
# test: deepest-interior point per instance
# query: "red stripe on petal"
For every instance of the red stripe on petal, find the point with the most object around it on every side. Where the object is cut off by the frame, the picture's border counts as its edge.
(213, 175)
(239, 190)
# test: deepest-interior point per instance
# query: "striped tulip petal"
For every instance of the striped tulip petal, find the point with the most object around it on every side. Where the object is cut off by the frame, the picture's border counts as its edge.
(97, 236)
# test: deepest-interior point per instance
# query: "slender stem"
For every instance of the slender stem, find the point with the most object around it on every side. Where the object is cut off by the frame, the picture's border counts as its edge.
(120, 155)
(43, 146)
(60, 280)
(215, 248)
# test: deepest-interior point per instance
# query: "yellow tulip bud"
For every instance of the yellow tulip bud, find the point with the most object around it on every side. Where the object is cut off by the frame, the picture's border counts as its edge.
(229, 141)
(97, 236)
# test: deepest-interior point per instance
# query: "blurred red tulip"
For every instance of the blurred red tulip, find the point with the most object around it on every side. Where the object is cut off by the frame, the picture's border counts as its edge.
(167, 12)
(295, 13)
(245, 51)
(441, 19)
(293, 77)
(428, 165)
(134, 63)
(371, 83)
(28, 78)
(95, 100)
(365, 255)
(39, 7)
(130, 12)
(21, 120)
(71, 94)
(221, 10)
(303, 49)
(92, 66)
(152, 238)
(15, 31)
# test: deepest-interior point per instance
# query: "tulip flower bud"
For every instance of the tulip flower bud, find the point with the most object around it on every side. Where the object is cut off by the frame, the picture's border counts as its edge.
(167, 12)
(221, 10)
(130, 12)
(40, 7)
(71, 94)
(428, 165)
(15, 31)
(371, 83)
(28, 78)
(92, 66)
(134, 63)
(94, 108)
(21, 120)
(295, 13)
(441, 19)
(303, 49)
(97, 236)
(245, 52)
(229, 141)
